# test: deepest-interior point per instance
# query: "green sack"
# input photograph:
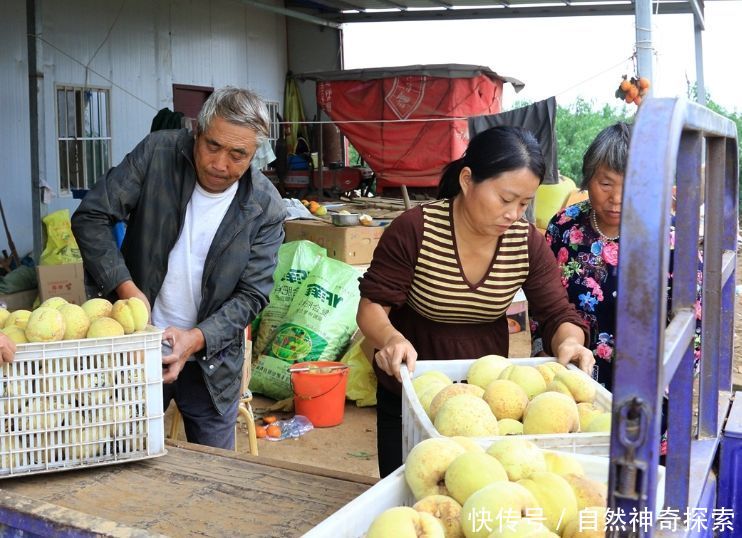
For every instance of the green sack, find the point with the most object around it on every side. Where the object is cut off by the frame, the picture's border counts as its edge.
(318, 326)
(296, 260)
(270, 376)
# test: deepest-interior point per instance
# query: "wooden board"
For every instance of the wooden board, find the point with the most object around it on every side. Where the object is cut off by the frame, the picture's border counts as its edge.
(191, 491)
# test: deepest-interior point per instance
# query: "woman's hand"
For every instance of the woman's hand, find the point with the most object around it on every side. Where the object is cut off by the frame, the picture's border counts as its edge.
(394, 348)
(572, 351)
(396, 351)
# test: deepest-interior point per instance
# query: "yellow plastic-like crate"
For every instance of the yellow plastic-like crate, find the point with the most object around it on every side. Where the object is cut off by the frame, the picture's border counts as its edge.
(81, 403)
(416, 425)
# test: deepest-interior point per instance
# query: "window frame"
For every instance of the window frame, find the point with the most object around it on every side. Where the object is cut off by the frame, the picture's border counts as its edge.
(101, 158)
(274, 109)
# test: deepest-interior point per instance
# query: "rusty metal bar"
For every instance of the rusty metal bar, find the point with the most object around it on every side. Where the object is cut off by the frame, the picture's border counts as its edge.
(680, 333)
(708, 421)
(666, 147)
(677, 370)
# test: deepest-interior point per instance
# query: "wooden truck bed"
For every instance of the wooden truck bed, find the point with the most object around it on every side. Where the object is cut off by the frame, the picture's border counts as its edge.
(191, 491)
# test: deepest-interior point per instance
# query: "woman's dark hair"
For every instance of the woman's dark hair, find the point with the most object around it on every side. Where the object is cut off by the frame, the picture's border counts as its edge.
(491, 153)
(610, 149)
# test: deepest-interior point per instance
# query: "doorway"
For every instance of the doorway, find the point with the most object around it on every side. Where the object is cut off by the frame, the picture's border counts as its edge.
(189, 99)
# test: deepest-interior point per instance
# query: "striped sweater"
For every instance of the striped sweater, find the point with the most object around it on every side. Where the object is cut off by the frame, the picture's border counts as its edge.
(439, 289)
(415, 272)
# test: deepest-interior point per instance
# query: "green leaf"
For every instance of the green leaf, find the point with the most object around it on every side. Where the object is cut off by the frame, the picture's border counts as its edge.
(362, 454)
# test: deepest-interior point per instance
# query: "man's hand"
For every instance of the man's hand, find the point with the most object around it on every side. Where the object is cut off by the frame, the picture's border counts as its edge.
(396, 351)
(571, 351)
(184, 344)
(7, 349)
(128, 289)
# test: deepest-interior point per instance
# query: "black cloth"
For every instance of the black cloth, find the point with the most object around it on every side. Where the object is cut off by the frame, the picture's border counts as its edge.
(539, 118)
(166, 119)
(388, 430)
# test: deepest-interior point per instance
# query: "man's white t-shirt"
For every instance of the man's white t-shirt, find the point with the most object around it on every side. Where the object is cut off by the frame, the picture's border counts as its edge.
(180, 296)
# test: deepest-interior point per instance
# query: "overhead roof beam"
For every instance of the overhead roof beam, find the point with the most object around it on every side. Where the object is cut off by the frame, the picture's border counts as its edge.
(394, 4)
(697, 13)
(512, 12)
(339, 5)
(290, 13)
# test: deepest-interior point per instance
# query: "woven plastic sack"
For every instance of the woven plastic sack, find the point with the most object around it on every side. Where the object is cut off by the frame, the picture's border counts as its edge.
(296, 260)
(318, 326)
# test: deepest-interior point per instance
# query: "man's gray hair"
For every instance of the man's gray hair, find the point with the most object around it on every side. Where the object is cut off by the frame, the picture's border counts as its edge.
(238, 106)
(610, 149)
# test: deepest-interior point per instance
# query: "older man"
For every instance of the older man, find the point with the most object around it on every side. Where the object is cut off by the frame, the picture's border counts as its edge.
(200, 247)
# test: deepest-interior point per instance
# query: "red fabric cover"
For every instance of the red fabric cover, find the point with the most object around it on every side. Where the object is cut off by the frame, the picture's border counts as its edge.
(411, 153)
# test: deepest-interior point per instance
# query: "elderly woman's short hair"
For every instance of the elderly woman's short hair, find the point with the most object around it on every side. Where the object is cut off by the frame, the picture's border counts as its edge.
(610, 149)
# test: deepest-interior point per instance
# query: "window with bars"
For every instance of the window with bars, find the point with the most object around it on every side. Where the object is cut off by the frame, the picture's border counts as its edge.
(84, 136)
(275, 127)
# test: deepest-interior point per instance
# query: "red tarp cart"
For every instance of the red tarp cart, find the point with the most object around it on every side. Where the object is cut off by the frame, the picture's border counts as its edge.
(408, 122)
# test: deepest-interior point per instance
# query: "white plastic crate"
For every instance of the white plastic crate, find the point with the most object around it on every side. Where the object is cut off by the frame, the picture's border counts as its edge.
(81, 403)
(354, 519)
(416, 424)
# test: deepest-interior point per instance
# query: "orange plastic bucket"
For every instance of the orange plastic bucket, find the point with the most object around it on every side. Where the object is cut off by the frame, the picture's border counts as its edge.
(319, 391)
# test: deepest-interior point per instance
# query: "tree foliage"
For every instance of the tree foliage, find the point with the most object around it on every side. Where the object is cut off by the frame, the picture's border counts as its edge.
(576, 127)
(736, 117)
(579, 123)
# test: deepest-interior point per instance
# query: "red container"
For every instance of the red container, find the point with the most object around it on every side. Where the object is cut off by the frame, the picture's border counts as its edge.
(319, 391)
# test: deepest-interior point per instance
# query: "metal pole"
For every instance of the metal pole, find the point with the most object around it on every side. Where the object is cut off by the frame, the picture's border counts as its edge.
(405, 197)
(320, 157)
(36, 120)
(700, 84)
(644, 56)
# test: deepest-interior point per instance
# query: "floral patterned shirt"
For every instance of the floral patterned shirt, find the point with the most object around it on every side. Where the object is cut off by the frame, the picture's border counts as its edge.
(589, 266)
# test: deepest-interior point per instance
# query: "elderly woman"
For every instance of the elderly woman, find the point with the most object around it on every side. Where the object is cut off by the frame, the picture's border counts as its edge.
(584, 238)
(444, 274)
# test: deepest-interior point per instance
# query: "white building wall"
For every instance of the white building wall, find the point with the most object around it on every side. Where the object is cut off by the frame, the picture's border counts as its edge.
(145, 48)
(15, 152)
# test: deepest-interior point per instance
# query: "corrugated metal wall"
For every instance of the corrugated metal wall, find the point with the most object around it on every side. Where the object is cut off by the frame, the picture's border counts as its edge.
(151, 46)
(15, 172)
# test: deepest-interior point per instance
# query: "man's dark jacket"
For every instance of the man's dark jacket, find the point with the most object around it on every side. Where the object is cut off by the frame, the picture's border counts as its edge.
(151, 189)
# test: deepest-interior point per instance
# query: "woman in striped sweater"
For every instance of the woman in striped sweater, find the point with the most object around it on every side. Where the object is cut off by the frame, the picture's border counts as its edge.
(444, 274)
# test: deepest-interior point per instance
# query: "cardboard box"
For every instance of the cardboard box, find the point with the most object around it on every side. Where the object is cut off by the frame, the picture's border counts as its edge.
(66, 281)
(22, 300)
(350, 244)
